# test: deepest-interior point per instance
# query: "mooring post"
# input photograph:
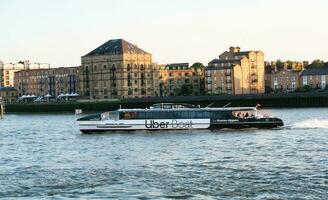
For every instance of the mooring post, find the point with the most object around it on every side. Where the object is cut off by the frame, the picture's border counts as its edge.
(1, 110)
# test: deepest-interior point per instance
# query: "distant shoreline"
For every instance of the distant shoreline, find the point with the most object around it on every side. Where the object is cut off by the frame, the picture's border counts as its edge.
(291, 100)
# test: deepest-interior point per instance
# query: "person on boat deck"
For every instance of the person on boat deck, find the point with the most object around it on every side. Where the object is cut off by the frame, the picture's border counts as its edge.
(246, 115)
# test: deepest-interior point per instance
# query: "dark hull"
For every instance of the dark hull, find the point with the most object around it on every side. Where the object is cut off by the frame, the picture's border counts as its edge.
(245, 125)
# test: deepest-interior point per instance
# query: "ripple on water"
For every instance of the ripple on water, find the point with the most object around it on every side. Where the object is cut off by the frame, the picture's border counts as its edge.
(45, 156)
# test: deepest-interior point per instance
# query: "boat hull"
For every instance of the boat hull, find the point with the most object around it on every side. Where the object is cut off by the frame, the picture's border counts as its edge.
(184, 124)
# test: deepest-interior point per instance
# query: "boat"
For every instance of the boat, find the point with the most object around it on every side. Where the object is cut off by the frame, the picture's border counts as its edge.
(172, 116)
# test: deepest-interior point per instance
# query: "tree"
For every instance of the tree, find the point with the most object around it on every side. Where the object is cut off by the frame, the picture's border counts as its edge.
(198, 65)
(279, 65)
(186, 90)
(317, 64)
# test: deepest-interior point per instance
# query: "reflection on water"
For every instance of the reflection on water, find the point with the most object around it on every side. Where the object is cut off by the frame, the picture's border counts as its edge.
(45, 156)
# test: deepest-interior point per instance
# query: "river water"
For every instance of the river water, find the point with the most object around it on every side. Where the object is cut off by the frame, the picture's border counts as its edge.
(46, 157)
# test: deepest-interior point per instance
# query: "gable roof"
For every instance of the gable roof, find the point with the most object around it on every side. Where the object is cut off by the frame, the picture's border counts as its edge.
(315, 71)
(114, 47)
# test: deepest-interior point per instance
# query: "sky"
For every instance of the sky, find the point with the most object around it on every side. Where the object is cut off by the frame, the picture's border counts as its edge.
(60, 32)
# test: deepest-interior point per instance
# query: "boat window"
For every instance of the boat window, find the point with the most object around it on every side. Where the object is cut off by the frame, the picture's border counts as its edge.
(113, 115)
(141, 115)
(220, 115)
(128, 115)
(184, 114)
(157, 106)
(167, 106)
(94, 117)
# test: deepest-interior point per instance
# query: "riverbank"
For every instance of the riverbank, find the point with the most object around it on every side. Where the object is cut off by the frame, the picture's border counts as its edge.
(292, 100)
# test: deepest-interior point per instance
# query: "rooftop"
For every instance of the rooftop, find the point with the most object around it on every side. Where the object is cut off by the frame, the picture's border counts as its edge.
(115, 47)
(315, 71)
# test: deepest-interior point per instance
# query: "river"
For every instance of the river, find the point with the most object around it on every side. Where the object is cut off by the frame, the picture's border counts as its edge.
(46, 157)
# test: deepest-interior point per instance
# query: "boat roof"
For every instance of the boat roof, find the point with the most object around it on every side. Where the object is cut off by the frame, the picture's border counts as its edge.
(191, 109)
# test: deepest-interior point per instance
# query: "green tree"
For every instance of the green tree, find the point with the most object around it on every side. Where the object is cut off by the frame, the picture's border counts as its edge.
(198, 65)
(316, 64)
(186, 90)
(279, 65)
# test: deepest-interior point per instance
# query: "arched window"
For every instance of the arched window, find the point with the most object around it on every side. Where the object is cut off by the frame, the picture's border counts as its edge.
(128, 67)
(113, 67)
(130, 91)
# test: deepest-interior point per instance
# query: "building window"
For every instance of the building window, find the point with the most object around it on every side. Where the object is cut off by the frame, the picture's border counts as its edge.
(323, 81)
(293, 80)
(305, 82)
(275, 83)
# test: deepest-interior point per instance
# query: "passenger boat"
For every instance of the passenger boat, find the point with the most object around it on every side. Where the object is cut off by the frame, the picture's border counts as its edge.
(169, 116)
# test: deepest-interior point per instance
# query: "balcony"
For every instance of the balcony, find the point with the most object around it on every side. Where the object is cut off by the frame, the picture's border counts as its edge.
(228, 81)
(254, 80)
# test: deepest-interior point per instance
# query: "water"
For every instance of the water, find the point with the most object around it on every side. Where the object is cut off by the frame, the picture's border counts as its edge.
(46, 157)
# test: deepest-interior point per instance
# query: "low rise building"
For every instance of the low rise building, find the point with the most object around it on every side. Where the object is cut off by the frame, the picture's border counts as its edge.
(8, 94)
(42, 82)
(236, 72)
(284, 81)
(180, 79)
(316, 78)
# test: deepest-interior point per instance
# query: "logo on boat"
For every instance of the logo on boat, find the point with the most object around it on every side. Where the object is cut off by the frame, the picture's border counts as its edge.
(174, 124)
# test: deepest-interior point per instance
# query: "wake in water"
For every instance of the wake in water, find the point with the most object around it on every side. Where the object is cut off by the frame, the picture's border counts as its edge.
(312, 124)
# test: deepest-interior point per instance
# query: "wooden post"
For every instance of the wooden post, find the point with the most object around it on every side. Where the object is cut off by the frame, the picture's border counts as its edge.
(1, 110)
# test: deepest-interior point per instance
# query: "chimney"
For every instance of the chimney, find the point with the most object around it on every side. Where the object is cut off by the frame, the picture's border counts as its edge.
(234, 49)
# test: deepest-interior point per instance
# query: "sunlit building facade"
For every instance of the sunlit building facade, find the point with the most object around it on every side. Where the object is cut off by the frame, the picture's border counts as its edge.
(236, 72)
(115, 70)
(42, 82)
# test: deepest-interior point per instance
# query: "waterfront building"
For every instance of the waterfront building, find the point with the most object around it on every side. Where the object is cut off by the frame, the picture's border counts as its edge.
(42, 82)
(236, 72)
(117, 69)
(8, 94)
(180, 79)
(284, 81)
(7, 71)
(316, 78)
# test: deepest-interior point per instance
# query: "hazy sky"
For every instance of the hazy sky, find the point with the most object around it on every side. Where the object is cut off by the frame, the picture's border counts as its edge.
(59, 32)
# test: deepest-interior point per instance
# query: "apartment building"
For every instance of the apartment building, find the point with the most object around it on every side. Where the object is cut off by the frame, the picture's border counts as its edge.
(236, 72)
(316, 78)
(7, 71)
(180, 79)
(42, 82)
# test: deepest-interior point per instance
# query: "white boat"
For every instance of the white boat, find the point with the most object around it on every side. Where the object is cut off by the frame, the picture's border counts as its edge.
(169, 116)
